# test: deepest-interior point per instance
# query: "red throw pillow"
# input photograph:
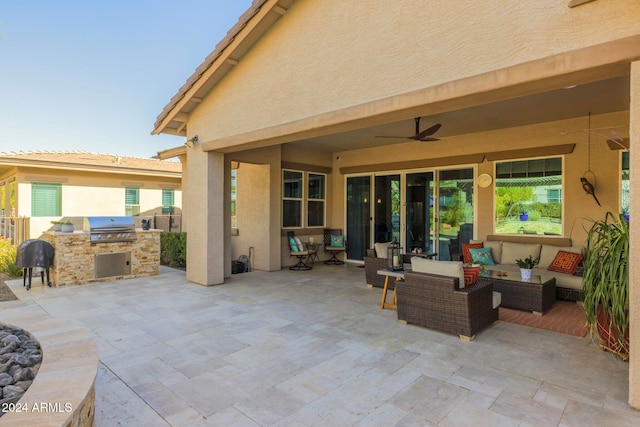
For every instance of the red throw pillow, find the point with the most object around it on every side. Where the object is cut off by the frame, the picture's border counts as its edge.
(471, 275)
(466, 255)
(565, 262)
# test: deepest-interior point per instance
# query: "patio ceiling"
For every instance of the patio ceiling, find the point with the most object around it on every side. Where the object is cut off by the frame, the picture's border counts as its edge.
(599, 97)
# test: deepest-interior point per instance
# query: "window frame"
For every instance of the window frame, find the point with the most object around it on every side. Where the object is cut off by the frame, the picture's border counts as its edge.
(300, 199)
(132, 209)
(561, 190)
(171, 193)
(304, 199)
(322, 200)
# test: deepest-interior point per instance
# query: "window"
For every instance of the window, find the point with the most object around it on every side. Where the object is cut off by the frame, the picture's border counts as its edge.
(529, 197)
(132, 201)
(46, 199)
(292, 198)
(315, 202)
(168, 195)
(624, 202)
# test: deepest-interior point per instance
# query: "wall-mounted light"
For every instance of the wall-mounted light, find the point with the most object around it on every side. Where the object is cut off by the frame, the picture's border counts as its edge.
(191, 142)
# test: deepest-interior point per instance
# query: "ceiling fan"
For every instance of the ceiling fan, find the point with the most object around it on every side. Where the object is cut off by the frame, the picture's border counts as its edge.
(425, 135)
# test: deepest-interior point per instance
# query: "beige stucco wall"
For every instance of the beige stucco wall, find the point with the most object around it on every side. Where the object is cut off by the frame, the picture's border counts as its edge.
(92, 194)
(396, 47)
(578, 206)
(252, 205)
(634, 267)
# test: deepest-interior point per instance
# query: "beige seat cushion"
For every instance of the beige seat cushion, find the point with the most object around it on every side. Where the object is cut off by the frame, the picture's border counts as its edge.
(497, 299)
(513, 251)
(443, 268)
(381, 249)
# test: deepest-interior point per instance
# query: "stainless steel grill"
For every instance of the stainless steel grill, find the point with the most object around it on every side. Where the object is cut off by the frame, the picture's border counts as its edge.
(109, 229)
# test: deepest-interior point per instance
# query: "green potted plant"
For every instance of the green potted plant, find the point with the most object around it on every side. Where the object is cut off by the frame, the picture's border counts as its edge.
(57, 225)
(606, 282)
(526, 265)
(67, 227)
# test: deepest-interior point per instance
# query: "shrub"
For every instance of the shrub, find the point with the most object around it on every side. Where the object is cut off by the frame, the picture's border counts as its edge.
(8, 254)
(173, 249)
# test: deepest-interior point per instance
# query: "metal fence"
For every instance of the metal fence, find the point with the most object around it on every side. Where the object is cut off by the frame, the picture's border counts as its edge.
(15, 228)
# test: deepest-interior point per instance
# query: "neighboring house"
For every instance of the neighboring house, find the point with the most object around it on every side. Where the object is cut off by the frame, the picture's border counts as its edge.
(530, 95)
(50, 186)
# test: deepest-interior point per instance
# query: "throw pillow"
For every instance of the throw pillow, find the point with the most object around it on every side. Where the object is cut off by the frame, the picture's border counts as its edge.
(337, 241)
(482, 255)
(300, 245)
(293, 244)
(471, 275)
(565, 262)
(466, 255)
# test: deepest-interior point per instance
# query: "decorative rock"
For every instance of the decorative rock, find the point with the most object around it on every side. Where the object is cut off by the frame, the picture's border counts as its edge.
(12, 392)
(6, 379)
(20, 358)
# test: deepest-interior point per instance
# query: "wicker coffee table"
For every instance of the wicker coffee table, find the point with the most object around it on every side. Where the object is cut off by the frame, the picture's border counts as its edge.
(536, 295)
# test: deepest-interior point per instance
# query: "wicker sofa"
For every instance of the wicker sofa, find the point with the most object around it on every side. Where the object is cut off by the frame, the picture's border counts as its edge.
(436, 301)
(506, 249)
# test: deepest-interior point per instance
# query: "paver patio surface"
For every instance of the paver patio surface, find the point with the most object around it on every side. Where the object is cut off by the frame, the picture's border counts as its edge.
(312, 348)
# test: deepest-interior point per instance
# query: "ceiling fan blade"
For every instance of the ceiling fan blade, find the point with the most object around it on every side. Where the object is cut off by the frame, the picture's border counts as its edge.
(427, 132)
(428, 139)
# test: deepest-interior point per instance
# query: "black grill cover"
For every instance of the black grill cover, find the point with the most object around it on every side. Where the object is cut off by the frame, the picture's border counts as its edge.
(34, 253)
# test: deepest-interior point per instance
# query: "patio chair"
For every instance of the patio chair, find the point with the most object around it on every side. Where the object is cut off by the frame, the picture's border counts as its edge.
(437, 302)
(334, 244)
(300, 251)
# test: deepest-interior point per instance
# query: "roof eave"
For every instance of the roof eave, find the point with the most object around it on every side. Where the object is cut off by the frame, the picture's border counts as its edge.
(253, 23)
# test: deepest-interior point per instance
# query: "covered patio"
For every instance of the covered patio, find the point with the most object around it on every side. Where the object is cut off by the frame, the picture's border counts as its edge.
(314, 348)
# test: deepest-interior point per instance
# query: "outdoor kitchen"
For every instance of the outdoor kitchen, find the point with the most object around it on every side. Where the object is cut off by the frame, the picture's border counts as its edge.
(107, 248)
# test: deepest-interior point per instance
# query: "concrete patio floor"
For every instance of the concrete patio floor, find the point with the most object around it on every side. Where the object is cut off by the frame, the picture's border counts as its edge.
(313, 348)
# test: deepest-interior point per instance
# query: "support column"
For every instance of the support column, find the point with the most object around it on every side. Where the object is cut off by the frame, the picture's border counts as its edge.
(203, 206)
(634, 243)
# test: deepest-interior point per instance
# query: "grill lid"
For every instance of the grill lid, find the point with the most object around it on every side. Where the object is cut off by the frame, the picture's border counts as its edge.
(108, 223)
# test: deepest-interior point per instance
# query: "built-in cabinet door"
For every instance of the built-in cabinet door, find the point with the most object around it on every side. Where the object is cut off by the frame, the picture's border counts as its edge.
(359, 219)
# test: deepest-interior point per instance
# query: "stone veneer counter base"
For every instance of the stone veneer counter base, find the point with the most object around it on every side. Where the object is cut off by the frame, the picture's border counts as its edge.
(74, 262)
(63, 391)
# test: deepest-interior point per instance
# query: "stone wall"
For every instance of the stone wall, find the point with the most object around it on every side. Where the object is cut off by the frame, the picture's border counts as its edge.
(75, 255)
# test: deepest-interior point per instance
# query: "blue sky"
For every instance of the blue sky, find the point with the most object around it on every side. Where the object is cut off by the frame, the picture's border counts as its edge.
(93, 75)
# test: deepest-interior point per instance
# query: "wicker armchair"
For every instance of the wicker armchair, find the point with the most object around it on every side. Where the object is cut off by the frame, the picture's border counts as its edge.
(372, 264)
(435, 302)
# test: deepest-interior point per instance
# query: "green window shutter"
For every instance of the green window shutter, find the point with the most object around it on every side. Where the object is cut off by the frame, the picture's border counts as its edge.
(167, 197)
(46, 199)
(131, 196)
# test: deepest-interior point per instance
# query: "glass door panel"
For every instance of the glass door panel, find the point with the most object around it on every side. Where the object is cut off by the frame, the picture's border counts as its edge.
(455, 211)
(358, 216)
(419, 212)
(387, 208)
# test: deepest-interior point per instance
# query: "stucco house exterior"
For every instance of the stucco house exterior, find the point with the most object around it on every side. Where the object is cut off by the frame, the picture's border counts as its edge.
(50, 186)
(304, 99)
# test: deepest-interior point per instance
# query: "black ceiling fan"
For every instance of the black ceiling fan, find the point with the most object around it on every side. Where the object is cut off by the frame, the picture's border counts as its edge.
(425, 135)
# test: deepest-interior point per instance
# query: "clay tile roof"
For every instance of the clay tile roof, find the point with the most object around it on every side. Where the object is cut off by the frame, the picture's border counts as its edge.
(90, 161)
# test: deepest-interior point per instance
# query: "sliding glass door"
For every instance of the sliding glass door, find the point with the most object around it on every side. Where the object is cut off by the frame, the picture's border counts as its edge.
(358, 216)
(428, 211)
(455, 211)
(419, 212)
